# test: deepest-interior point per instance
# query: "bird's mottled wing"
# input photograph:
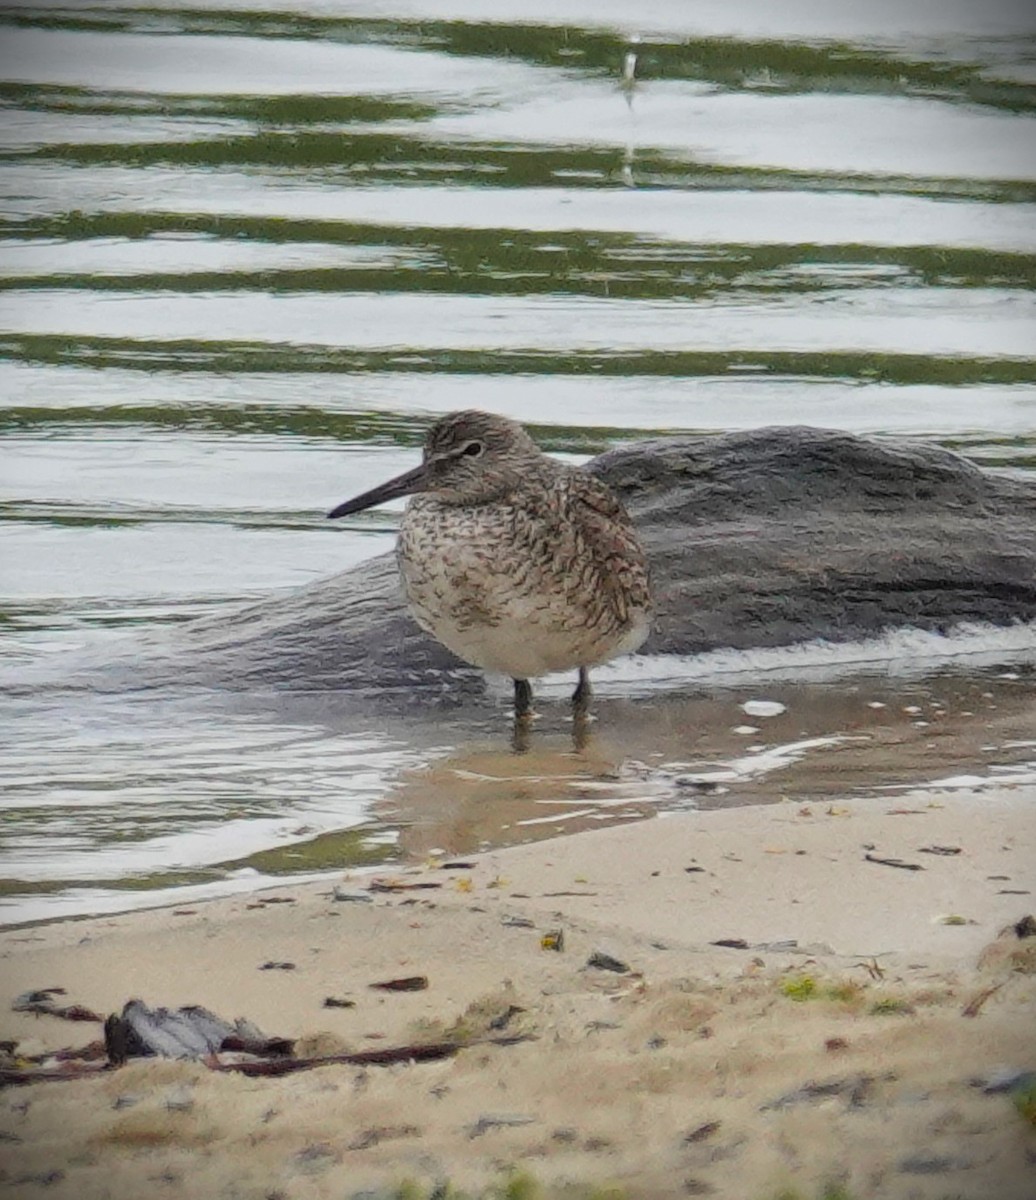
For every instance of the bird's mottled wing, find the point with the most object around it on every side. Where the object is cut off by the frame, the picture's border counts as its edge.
(612, 541)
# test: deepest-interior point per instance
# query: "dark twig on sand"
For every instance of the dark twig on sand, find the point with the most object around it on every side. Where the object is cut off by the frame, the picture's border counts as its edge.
(893, 862)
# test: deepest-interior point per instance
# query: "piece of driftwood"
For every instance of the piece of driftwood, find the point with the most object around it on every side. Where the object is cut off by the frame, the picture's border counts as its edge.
(400, 885)
(416, 1052)
(408, 983)
(388, 1056)
(893, 862)
(20, 1077)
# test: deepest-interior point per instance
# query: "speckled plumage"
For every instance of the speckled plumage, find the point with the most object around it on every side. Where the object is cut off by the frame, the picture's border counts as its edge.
(515, 561)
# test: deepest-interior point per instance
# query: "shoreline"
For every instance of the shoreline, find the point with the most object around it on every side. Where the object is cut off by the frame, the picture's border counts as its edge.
(842, 1057)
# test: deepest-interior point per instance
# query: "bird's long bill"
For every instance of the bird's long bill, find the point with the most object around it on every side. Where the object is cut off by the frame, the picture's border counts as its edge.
(403, 485)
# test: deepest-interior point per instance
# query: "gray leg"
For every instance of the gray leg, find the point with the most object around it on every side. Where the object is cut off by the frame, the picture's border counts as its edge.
(522, 716)
(581, 696)
(522, 698)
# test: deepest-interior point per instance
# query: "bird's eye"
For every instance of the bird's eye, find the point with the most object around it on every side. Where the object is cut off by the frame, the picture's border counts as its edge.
(473, 449)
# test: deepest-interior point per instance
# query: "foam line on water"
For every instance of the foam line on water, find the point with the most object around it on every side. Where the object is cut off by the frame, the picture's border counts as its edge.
(900, 653)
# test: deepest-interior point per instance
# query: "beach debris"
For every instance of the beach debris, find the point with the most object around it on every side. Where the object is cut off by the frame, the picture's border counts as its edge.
(730, 943)
(853, 1087)
(892, 862)
(316, 1158)
(277, 966)
(516, 922)
(41, 1178)
(1014, 949)
(179, 1099)
(956, 919)
(498, 1121)
(799, 988)
(504, 1018)
(873, 968)
(606, 962)
(408, 983)
(190, 1032)
(196, 1033)
(702, 1133)
(944, 850)
(401, 885)
(553, 939)
(1006, 1079)
(338, 1002)
(892, 1006)
(344, 896)
(934, 1164)
(835, 1044)
(382, 1133)
(457, 866)
(694, 870)
(974, 1005)
(42, 1001)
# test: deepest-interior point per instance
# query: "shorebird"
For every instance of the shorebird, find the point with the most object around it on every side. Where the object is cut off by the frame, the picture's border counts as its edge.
(514, 561)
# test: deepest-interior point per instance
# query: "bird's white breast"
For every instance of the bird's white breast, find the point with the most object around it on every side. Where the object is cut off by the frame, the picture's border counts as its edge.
(478, 582)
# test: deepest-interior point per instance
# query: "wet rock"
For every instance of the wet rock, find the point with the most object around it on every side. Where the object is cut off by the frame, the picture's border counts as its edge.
(759, 538)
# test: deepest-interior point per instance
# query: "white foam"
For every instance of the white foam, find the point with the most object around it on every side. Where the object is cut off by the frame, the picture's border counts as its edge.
(899, 654)
(763, 708)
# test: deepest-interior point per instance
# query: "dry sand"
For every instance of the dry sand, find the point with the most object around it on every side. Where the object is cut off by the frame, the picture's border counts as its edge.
(843, 1062)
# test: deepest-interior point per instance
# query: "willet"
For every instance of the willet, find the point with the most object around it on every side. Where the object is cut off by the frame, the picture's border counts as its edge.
(514, 561)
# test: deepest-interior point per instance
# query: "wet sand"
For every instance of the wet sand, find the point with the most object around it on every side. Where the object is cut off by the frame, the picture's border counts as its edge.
(833, 1051)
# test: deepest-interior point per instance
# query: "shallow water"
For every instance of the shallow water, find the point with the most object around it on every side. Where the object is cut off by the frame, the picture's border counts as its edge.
(248, 252)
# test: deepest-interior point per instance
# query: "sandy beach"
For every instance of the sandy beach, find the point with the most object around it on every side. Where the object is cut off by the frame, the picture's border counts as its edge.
(858, 1038)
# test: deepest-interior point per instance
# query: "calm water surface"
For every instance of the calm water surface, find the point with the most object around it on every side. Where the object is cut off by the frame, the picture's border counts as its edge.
(249, 252)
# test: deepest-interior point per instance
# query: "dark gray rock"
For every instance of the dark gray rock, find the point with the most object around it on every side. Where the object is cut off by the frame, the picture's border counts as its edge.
(765, 538)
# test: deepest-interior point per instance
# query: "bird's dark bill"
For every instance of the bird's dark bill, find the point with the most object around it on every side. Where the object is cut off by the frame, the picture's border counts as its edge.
(403, 485)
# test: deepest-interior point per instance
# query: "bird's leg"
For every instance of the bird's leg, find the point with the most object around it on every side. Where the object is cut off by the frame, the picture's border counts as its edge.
(581, 696)
(581, 711)
(522, 715)
(522, 698)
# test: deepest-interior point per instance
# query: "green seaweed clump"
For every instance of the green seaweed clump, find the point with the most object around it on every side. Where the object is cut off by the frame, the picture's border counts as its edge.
(802, 987)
